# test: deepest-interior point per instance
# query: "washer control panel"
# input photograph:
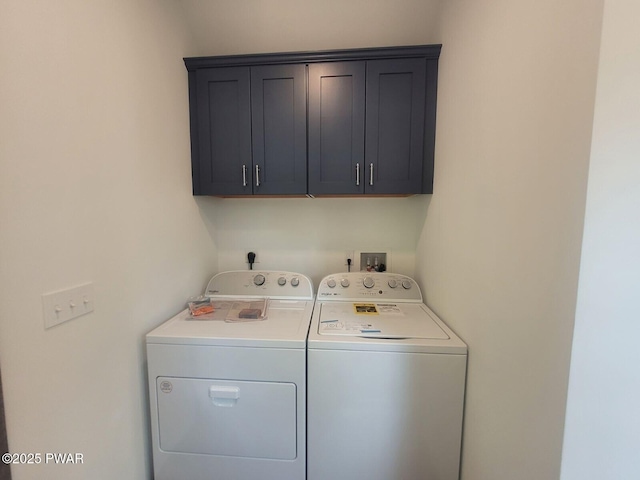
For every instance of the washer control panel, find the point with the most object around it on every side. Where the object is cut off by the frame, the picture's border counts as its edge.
(261, 283)
(362, 286)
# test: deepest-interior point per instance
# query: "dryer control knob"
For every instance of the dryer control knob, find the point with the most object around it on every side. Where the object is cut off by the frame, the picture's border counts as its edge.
(295, 281)
(259, 279)
(393, 283)
(331, 283)
(282, 281)
(406, 284)
(368, 282)
(345, 282)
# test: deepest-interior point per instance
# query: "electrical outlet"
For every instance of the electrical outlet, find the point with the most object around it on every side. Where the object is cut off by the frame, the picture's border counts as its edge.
(64, 305)
(349, 255)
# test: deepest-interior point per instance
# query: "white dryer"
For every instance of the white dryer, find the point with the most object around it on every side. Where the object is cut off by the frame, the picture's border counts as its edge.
(227, 398)
(385, 383)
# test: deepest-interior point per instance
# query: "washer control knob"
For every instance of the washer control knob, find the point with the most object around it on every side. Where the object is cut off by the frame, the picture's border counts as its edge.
(345, 282)
(259, 279)
(331, 283)
(368, 282)
(295, 281)
(406, 284)
(393, 283)
(282, 281)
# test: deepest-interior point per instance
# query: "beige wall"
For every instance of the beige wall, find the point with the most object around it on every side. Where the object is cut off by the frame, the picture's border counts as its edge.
(602, 432)
(499, 251)
(95, 186)
(255, 26)
(313, 235)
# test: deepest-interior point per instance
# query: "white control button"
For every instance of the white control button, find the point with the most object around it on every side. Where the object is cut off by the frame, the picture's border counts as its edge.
(259, 279)
(331, 283)
(344, 282)
(368, 282)
(393, 283)
(406, 284)
(295, 281)
(282, 281)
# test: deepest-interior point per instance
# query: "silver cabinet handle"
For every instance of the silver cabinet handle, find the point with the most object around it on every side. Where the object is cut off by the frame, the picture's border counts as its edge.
(371, 174)
(357, 174)
(244, 175)
(257, 176)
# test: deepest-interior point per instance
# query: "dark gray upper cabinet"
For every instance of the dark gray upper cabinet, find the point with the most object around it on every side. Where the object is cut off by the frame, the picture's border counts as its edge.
(366, 130)
(395, 126)
(368, 116)
(223, 149)
(251, 131)
(279, 134)
(336, 127)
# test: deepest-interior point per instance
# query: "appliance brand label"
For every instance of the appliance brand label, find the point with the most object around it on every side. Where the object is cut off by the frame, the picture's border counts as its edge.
(166, 386)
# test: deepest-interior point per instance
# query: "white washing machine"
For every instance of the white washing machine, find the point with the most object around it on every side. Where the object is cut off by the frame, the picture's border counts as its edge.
(227, 395)
(385, 383)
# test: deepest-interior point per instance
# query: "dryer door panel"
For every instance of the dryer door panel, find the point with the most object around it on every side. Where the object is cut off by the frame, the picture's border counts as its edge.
(232, 418)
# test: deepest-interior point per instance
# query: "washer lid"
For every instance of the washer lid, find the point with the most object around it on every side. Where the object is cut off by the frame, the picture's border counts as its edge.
(379, 320)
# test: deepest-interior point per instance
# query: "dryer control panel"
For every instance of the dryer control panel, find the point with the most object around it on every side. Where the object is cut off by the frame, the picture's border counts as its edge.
(261, 283)
(363, 286)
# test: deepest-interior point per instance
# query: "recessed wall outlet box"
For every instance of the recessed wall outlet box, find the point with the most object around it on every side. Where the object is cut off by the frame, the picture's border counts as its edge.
(373, 261)
(63, 305)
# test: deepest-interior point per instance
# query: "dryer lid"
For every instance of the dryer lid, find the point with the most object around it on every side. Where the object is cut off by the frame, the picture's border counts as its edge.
(286, 326)
(379, 320)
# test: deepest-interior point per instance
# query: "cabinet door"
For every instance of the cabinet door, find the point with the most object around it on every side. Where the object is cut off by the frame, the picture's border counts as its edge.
(336, 127)
(224, 131)
(279, 134)
(395, 126)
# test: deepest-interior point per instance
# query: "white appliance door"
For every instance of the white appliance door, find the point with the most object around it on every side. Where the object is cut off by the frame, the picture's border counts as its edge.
(221, 417)
(384, 415)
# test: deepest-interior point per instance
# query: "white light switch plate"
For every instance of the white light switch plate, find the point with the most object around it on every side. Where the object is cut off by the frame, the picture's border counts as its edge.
(67, 304)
